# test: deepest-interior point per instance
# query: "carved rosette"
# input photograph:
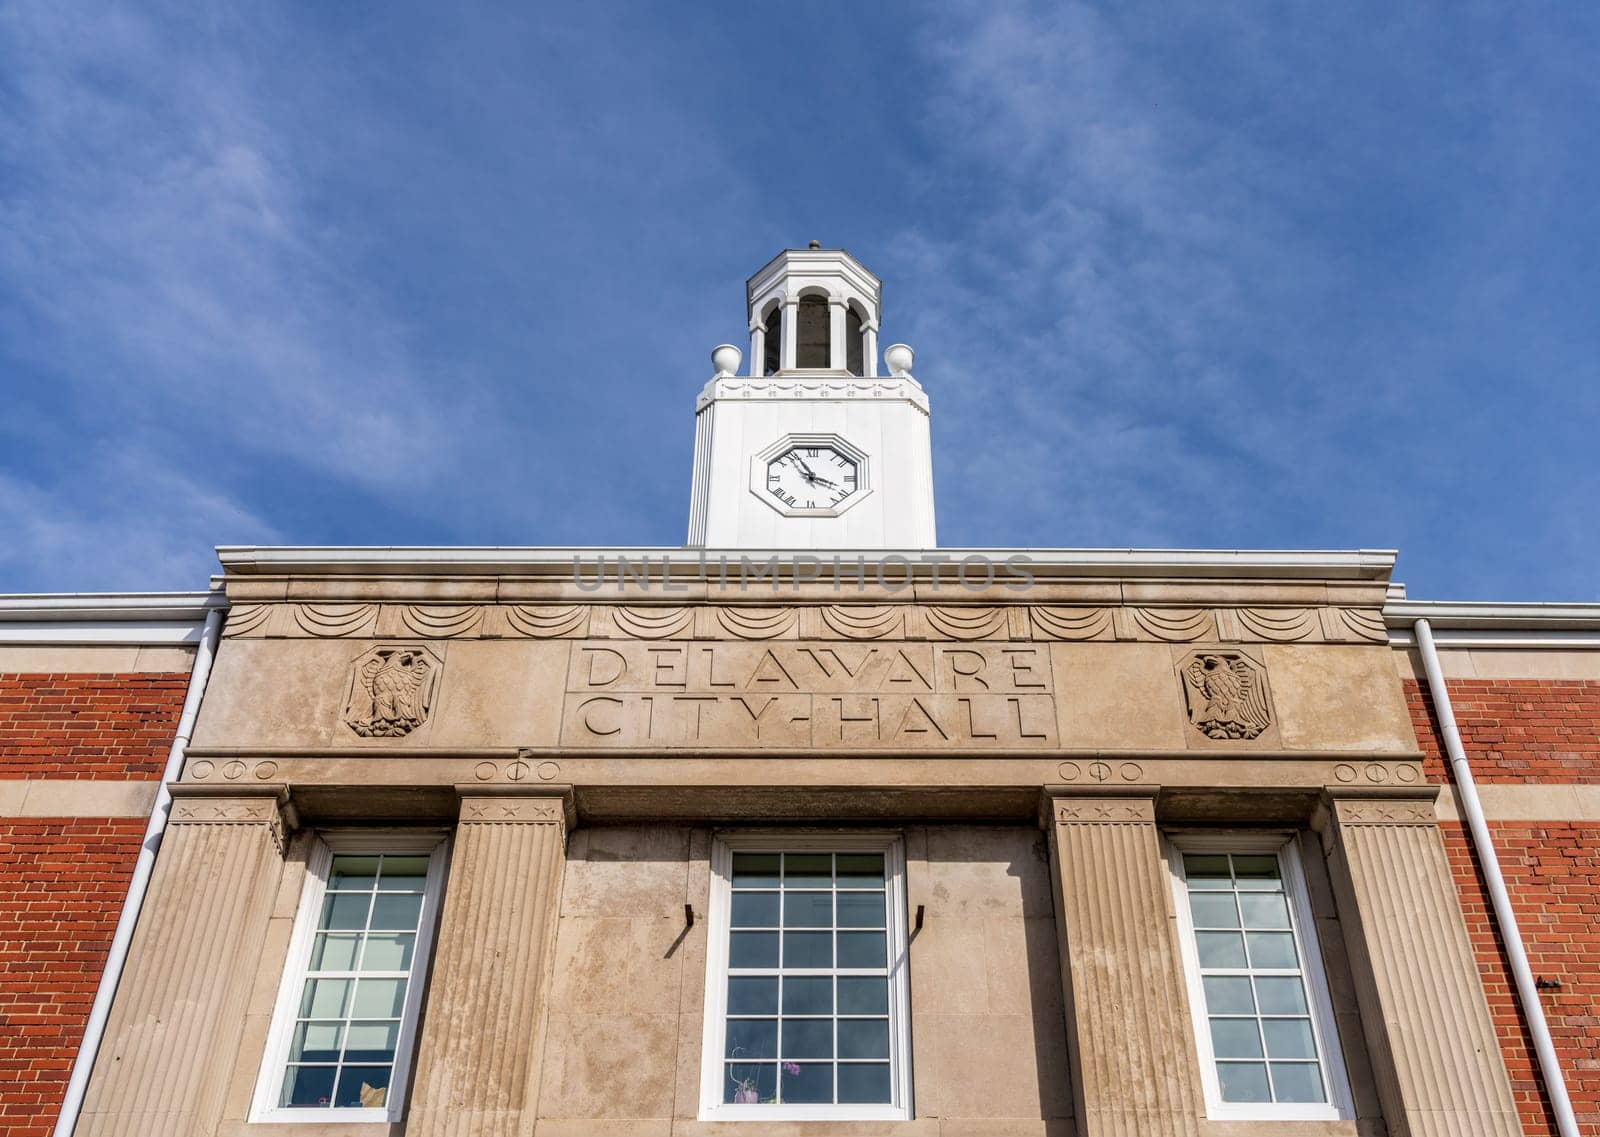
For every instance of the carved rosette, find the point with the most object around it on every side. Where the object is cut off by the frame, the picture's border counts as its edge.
(391, 690)
(1226, 693)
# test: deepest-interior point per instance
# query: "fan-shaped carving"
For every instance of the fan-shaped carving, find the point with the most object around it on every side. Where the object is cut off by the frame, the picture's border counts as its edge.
(336, 619)
(1072, 623)
(758, 623)
(1279, 625)
(244, 619)
(441, 621)
(1176, 625)
(1365, 624)
(548, 622)
(968, 623)
(653, 623)
(864, 621)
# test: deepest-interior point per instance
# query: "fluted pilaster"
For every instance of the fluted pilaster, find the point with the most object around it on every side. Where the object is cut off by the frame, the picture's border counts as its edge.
(1134, 1069)
(477, 1068)
(179, 1012)
(1436, 1057)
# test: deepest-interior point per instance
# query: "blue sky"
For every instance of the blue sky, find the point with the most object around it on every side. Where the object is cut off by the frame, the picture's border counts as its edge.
(1300, 275)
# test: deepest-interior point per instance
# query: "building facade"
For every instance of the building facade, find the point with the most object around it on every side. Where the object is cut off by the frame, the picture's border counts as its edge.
(859, 836)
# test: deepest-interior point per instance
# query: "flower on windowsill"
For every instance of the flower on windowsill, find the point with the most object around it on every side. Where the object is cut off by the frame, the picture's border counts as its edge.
(791, 1068)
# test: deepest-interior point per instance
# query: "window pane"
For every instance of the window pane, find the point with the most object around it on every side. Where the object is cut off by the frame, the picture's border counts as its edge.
(753, 949)
(315, 1042)
(335, 951)
(1272, 949)
(860, 870)
(389, 951)
(807, 1038)
(808, 870)
(863, 995)
(1228, 995)
(403, 874)
(808, 995)
(1264, 910)
(307, 1086)
(755, 910)
(1244, 1081)
(1220, 949)
(752, 1038)
(751, 1082)
(752, 996)
(808, 949)
(863, 949)
(863, 1038)
(1213, 910)
(345, 910)
(363, 1087)
(861, 909)
(1280, 995)
(1257, 872)
(1297, 1081)
(806, 1082)
(1207, 871)
(864, 1082)
(353, 873)
(1235, 1038)
(371, 1042)
(324, 998)
(755, 870)
(1289, 1038)
(807, 909)
(399, 911)
(379, 999)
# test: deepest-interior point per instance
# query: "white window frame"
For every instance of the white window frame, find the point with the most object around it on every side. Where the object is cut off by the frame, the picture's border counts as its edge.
(1340, 1105)
(269, 1082)
(724, 845)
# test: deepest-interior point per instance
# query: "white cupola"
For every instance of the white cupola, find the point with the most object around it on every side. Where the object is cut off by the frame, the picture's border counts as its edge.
(812, 448)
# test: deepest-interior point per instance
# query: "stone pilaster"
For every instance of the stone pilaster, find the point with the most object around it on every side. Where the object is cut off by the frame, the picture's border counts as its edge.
(175, 1025)
(483, 1032)
(1436, 1059)
(1133, 1055)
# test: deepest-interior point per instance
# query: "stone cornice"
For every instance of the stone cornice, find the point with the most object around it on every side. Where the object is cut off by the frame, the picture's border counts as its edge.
(106, 617)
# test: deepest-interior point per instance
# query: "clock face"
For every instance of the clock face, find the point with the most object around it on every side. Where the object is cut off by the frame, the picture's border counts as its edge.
(806, 477)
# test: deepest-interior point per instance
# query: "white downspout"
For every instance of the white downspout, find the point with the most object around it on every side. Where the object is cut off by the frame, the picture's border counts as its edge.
(1466, 789)
(83, 1065)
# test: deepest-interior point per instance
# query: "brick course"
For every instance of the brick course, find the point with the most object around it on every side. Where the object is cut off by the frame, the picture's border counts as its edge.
(116, 727)
(62, 882)
(1516, 730)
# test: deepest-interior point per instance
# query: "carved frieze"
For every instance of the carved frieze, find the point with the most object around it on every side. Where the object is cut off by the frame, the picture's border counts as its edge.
(909, 621)
(391, 690)
(1226, 693)
(522, 810)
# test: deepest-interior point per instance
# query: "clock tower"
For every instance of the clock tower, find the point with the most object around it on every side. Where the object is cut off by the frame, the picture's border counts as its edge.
(811, 448)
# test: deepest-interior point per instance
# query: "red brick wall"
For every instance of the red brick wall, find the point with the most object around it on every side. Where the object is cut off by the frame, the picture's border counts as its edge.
(1516, 730)
(1552, 872)
(62, 881)
(1533, 731)
(116, 727)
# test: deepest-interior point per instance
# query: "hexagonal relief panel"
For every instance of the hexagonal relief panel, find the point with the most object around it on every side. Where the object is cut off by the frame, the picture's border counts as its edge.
(1227, 694)
(391, 690)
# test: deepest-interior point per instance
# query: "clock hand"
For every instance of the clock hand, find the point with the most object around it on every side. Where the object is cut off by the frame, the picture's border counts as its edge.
(806, 470)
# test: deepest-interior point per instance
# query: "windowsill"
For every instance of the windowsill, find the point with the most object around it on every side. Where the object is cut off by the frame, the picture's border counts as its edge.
(760, 1113)
(340, 1117)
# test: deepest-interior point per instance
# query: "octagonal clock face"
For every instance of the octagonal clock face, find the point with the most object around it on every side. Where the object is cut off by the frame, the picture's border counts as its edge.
(807, 477)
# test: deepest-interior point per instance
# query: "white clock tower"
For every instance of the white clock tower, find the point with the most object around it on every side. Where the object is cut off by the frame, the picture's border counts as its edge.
(812, 449)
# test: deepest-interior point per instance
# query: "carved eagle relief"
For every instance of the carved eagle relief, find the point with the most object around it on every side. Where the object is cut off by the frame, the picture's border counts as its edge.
(1227, 697)
(390, 693)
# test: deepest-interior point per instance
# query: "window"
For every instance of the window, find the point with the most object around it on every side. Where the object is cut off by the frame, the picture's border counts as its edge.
(811, 332)
(1263, 1021)
(806, 995)
(341, 1038)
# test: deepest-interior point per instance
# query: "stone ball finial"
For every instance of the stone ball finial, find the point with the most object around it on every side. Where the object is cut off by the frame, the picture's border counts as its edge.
(899, 358)
(725, 358)
(814, 245)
